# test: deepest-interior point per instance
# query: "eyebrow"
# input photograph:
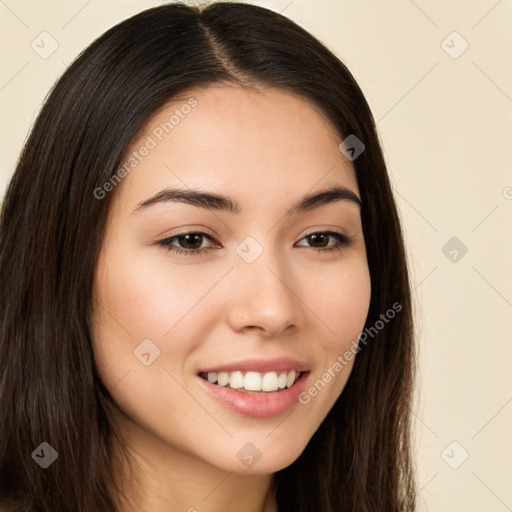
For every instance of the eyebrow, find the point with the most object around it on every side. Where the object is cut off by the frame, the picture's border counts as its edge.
(218, 202)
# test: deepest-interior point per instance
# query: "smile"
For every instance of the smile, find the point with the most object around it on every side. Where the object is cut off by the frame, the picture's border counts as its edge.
(254, 402)
(251, 381)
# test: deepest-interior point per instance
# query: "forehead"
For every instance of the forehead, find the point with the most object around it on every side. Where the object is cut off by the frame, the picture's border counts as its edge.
(247, 143)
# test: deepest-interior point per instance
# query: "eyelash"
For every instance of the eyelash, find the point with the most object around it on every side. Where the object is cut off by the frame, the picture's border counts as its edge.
(342, 242)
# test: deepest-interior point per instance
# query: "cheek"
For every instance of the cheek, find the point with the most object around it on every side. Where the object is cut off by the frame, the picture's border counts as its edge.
(139, 300)
(149, 297)
(340, 298)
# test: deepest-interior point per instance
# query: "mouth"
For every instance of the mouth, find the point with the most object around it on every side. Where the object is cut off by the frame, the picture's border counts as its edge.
(253, 394)
(254, 382)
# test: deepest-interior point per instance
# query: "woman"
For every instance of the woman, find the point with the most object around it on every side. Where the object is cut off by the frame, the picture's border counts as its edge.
(205, 301)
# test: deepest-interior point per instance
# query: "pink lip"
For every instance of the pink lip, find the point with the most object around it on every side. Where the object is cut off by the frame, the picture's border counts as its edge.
(257, 405)
(260, 365)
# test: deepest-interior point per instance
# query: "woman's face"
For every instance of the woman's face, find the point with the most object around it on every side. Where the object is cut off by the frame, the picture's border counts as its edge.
(264, 283)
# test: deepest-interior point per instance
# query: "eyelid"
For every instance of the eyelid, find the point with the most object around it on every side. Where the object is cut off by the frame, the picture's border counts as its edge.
(164, 241)
(313, 231)
(187, 230)
(342, 241)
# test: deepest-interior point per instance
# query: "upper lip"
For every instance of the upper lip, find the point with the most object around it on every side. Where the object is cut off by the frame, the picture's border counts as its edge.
(260, 365)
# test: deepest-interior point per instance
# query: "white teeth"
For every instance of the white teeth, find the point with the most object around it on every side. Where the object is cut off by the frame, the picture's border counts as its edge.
(236, 380)
(222, 378)
(254, 381)
(290, 379)
(269, 382)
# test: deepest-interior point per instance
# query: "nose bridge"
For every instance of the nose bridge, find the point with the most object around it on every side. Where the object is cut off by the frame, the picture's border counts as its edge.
(263, 295)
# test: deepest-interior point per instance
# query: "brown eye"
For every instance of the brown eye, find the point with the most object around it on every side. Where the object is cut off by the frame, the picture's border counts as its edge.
(193, 241)
(320, 241)
(188, 243)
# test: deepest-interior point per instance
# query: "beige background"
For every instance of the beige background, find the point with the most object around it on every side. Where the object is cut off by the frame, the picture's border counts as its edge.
(445, 126)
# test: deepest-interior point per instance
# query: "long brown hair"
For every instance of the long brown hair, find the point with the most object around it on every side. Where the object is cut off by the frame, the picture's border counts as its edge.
(51, 230)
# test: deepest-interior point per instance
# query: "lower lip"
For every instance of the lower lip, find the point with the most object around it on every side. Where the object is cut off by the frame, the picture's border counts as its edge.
(257, 405)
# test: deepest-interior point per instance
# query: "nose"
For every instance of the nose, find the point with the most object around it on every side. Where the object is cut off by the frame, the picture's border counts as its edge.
(264, 296)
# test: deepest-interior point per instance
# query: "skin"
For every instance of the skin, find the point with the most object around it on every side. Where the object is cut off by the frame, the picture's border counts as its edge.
(266, 151)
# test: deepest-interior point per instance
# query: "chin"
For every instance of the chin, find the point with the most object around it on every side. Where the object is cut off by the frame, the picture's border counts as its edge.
(262, 456)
